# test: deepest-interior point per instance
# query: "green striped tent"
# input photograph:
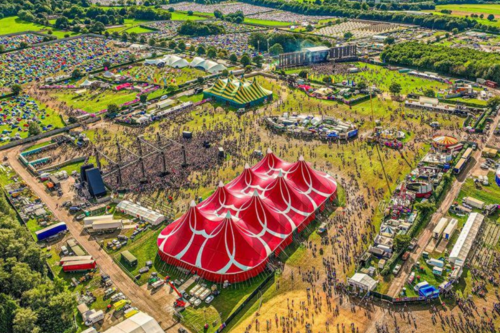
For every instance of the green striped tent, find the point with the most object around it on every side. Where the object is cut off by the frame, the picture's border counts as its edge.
(238, 93)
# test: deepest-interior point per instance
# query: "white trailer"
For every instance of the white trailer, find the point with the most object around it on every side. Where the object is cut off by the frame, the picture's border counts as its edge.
(438, 230)
(473, 202)
(107, 225)
(89, 221)
(450, 229)
(94, 317)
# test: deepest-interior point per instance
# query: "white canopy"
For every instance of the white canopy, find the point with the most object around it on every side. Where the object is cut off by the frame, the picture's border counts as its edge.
(363, 281)
(139, 323)
(140, 212)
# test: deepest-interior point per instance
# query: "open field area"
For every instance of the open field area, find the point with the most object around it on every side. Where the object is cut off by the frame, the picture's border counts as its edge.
(9, 25)
(460, 10)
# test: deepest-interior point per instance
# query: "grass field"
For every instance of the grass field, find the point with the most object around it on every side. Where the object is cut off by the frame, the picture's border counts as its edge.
(180, 16)
(267, 23)
(10, 25)
(95, 101)
(131, 25)
(155, 75)
(468, 9)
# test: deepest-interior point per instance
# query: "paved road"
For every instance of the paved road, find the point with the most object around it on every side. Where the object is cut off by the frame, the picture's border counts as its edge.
(426, 235)
(158, 307)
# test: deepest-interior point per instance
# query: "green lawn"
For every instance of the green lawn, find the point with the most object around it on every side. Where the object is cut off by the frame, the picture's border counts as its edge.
(180, 16)
(489, 194)
(131, 25)
(267, 23)
(13, 24)
(95, 101)
(468, 9)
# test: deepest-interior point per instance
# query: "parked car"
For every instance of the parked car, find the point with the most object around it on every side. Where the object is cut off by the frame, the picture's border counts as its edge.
(396, 270)
(209, 299)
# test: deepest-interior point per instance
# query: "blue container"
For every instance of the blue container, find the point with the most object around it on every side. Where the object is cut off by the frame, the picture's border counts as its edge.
(51, 231)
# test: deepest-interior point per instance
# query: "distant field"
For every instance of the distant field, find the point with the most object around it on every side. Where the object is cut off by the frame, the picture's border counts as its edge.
(468, 9)
(179, 16)
(131, 25)
(267, 22)
(10, 25)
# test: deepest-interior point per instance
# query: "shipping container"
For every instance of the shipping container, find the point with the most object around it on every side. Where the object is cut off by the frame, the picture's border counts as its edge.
(450, 229)
(106, 225)
(51, 231)
(473, 202)
(438, 230)
(435, 262)
(78, 266)
(75, 258)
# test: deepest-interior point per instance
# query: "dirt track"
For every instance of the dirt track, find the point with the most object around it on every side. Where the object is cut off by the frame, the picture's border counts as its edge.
(158, 306)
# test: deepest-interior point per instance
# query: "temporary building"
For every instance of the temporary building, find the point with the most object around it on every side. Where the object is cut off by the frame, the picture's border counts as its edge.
(464, 243)
(139, 323)
(142, 213)
(95, 182)
(362, 281)
(238, 93)
(175, 61)
(450, 229)
(129, 258)
(438, 230)
(196, 62)
(232, 234)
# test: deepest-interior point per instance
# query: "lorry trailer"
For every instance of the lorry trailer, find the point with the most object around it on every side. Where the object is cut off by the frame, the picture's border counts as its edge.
(51, 231)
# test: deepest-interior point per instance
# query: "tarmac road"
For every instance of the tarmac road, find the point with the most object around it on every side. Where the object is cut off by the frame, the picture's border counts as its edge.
(426, 235)
(158, 307)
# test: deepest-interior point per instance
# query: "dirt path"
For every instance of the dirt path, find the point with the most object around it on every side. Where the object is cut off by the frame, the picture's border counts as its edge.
(158, 307)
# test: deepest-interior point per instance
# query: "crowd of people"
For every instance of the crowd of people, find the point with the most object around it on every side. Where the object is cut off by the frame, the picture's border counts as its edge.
(60, 58)
(14, 42)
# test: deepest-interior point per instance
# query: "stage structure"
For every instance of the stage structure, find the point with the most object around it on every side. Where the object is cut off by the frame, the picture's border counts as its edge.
(160, 161)
(318, 54)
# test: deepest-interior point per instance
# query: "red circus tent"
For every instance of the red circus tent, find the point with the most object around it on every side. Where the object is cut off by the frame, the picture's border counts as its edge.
(231, 234)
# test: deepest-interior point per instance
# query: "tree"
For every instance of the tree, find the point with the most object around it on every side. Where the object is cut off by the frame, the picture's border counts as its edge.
(257, 60)
(218, 14)
(225, 73)
(389, 40)
(245, 60)
(327, 80)
(348, 35)
(303, 74)
(113, 108)
(76, 73)
(190, 13)
(276, 49)
(491, 17)
(106, 65)
(233, 58)
(309, 28)
(16, 89)
(401, 242)
(395, 88)
(172, 45)
(212, 52)
(25, 321)
(2, 48)
(181, 46)
(494, 103)
(200, 50)
(143, 98)
(34, 128)
(361, 85)
(429, 93)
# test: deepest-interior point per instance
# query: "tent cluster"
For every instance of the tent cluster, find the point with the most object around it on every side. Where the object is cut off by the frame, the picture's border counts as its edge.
(174, 61)
(238, 93)
(231, 235)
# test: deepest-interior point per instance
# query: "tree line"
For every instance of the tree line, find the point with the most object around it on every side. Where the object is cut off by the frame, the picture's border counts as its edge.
(192, 28)
(462, 62)
(343, 10)
(30, 302)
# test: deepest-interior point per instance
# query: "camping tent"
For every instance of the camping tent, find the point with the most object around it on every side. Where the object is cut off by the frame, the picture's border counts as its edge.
(231, 234)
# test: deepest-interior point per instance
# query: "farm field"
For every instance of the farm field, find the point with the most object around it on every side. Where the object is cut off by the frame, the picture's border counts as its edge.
(267, 23)
(468, 9)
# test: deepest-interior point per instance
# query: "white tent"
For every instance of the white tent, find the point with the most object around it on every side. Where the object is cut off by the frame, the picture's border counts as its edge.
(464, 243)
(363, 281)
(217, 68)
(86, 83)
(140, 212)
(152, 61)
(139, 323)
(181, 63)
(196, 62)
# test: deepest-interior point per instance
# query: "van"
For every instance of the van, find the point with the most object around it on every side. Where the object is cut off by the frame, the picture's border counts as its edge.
(64, 250)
